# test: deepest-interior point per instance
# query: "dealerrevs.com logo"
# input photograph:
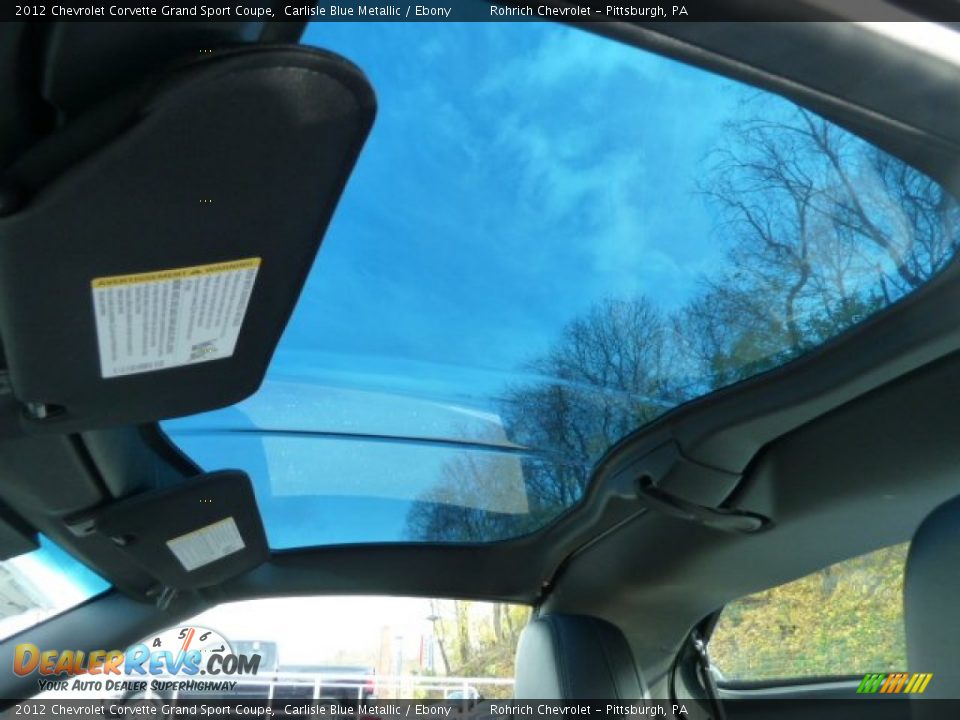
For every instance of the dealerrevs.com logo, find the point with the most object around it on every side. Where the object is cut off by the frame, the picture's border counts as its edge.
(158, 663)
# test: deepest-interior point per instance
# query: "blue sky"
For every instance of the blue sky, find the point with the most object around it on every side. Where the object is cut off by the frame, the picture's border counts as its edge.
(516, 175)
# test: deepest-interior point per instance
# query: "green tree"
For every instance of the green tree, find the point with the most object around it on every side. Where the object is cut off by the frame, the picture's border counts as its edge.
(846, 619)
(480, 639)
(820, 231)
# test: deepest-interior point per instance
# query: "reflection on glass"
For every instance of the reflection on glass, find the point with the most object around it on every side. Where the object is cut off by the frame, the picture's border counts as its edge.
(542, 249)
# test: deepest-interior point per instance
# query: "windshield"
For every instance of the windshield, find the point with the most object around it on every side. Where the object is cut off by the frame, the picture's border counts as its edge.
(296, 650)
(550, 240)
(41, 584)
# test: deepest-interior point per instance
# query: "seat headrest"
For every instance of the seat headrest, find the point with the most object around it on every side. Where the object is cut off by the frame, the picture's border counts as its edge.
(575, 657)
(931, 595)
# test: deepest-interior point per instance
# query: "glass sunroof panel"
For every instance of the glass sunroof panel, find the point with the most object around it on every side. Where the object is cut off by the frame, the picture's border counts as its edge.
(549, 240)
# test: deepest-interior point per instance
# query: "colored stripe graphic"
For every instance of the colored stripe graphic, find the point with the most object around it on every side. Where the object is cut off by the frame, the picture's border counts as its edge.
(894, 683)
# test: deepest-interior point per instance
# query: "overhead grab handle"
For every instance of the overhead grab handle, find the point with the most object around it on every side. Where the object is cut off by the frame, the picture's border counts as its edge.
(729, 520)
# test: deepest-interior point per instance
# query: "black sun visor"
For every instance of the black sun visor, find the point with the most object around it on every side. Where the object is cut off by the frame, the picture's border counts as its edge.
(188, 536)
(166, 235)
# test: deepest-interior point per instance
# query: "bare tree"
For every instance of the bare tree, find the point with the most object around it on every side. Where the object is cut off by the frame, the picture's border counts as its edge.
(820, 231)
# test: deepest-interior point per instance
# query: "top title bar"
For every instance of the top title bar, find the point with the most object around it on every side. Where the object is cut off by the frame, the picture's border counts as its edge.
(481, 11)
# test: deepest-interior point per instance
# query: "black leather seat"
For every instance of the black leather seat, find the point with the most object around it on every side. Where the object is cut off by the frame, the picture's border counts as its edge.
(932, 601)
(575, 657)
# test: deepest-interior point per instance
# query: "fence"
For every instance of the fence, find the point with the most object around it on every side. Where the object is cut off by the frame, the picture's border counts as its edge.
(306, 686)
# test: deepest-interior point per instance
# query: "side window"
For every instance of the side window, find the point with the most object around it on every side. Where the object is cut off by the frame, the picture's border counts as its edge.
(846, 619)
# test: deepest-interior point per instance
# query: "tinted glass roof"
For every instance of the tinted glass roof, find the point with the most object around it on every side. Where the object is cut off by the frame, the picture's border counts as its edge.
(550, 239)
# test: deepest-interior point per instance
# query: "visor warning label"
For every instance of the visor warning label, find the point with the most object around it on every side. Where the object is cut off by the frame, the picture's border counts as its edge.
(170, 318)
(206, 545)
